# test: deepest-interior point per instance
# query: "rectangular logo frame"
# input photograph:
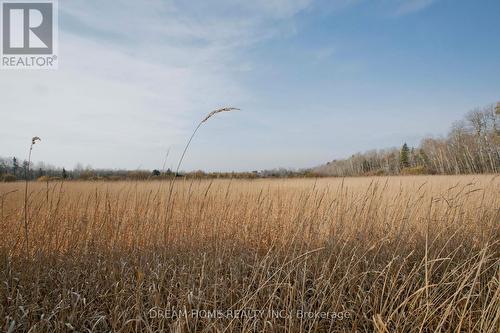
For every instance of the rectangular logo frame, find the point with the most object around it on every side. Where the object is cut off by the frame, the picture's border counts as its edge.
(29, 34)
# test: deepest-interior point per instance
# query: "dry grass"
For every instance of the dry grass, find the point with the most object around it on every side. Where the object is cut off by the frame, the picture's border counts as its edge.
(399, 254)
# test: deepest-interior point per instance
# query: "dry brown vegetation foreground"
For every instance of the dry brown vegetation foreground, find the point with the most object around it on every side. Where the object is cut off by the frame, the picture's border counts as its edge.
(399, 254)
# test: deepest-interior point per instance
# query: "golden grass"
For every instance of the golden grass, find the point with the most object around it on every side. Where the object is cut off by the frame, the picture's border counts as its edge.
(398, 254)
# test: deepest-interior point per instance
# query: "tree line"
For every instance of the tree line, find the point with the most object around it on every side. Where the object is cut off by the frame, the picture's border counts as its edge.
(11, 169)
(471, 146)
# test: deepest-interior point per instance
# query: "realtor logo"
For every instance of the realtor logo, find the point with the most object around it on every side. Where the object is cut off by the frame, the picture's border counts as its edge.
(29, 34)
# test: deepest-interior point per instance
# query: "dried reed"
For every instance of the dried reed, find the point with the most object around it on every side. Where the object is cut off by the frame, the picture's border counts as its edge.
(210, 115)
(26, 177)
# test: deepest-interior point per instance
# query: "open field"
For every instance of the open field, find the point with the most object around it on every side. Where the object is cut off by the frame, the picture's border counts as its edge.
(397, 254)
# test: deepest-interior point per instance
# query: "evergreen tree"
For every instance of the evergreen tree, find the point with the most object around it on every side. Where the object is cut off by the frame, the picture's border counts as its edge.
(404, 157)
(64, 174)
(15, 166)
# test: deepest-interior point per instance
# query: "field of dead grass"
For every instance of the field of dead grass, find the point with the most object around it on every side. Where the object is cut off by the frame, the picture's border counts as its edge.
(397, 254)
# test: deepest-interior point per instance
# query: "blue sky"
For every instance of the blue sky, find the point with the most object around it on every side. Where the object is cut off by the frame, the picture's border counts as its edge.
(316, 80)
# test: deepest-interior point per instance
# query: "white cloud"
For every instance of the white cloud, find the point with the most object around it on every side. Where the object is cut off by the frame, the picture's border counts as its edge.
(410, 6)
(185, 22)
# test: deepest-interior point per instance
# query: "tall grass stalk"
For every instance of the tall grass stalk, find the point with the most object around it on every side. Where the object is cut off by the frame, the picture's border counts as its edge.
(204, 120)
(26, 176)
(207, 117)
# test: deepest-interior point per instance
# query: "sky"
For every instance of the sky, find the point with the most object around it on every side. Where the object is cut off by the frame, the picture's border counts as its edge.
(315, 80)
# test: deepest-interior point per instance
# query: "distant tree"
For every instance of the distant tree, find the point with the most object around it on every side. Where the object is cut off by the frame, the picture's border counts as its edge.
(26, 169)
(413, 158)
(423, 159)
(64, 173)
(477, 119)
(3, 167)
(78, 170)
(404, 156)
(40, 173)
(496, 129)
(365, 166)
(156, 173)
(15, 166)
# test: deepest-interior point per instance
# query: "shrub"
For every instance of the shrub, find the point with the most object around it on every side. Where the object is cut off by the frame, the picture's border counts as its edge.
(87, 175)
(418, 170)
(138, 175)
(375, 173)
(43, 179)
(8, 178)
